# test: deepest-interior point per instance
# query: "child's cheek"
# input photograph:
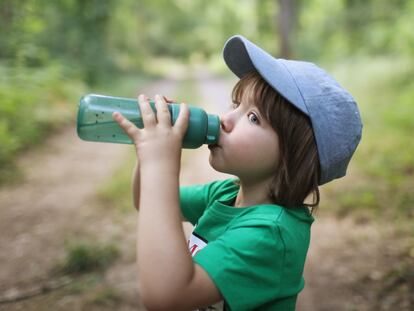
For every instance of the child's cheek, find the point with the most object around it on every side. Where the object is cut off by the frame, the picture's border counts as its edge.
(244, 150)
(259, 150)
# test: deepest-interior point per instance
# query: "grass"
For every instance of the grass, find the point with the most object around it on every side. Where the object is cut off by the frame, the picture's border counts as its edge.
(106, 296)
(85, 283)
(116, 194)
(84, 257)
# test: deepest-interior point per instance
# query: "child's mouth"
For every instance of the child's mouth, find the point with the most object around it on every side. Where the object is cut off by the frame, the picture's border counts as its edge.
(214, 146)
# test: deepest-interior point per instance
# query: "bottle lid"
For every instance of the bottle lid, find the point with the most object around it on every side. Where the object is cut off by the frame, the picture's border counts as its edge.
(213, 129)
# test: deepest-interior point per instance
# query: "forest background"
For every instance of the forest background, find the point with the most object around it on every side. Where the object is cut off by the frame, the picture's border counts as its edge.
(53, 52)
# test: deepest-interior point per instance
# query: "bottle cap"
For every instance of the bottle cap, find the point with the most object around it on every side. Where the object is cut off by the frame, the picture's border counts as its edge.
(213, 129)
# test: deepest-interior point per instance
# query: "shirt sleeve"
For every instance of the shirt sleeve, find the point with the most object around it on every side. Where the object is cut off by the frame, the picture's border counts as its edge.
(246, 264)
(193, 201)
(196, 198)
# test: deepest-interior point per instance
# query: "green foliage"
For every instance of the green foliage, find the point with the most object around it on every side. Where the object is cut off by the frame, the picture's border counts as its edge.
(102, 37)
(85, 283)
(98, 37)
(83, 257)
(329, 30)
(384, 170)
(101, 40)
(33, 103)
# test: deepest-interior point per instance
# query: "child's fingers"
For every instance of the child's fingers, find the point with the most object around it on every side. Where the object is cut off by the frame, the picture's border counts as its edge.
(147, 114)
(170, 101)
(182, 121)
(163, 114)
(129, 128)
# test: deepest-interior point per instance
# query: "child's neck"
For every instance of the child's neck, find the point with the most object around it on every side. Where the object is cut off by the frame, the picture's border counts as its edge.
(253, 193)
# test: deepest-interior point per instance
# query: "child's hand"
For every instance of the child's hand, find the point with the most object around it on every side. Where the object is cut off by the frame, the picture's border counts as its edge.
(158, 142)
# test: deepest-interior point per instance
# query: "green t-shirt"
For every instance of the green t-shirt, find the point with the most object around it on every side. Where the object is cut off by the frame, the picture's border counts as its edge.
(255, 255)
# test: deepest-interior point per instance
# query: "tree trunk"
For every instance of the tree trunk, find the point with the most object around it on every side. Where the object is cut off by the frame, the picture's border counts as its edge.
(287, 19)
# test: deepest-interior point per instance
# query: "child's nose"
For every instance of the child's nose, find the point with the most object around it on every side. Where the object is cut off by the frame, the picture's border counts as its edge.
(226, 123)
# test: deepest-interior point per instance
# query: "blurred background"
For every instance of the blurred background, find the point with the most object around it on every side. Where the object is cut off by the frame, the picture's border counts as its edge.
(67, 226)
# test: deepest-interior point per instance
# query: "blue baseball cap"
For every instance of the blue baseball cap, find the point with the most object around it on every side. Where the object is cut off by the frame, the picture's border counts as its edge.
(333, 112)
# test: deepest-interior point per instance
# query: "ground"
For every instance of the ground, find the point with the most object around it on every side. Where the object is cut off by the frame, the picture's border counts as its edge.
(56, 204)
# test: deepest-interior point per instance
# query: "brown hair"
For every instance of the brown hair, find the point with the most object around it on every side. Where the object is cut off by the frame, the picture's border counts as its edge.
(298, 172)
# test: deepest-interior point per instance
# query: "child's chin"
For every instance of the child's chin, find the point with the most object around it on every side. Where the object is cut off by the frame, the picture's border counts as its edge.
(219, 167)
(214, 164)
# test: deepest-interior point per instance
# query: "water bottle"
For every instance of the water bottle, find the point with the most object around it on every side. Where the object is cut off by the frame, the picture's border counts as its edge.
(95, 122)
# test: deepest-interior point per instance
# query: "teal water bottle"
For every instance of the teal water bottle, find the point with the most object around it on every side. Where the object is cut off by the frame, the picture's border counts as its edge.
(95, 122)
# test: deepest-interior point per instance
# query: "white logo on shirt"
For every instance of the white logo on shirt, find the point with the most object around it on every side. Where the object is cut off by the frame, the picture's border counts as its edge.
(195, 244)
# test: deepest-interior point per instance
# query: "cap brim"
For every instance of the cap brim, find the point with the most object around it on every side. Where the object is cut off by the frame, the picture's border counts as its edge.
(242, 57)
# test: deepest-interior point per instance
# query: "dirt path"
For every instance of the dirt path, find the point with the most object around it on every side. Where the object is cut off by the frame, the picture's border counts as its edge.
(57, 201)
(54, 203)
(340, 265)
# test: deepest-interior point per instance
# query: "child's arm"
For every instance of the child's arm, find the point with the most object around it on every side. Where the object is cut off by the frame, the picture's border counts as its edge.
(168, 277)
(136, 188)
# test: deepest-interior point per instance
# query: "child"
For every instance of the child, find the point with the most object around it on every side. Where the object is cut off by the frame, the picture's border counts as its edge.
(291, 129)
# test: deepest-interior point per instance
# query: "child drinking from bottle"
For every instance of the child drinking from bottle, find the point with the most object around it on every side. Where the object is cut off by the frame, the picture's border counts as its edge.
(291, 128)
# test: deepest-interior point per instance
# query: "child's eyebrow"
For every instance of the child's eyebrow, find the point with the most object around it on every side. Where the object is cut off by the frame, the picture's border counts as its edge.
(249, 103)
(253, 105)
(257, 110)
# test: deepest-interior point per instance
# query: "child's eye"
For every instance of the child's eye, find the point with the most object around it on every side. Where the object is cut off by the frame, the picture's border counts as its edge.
(253, 118)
